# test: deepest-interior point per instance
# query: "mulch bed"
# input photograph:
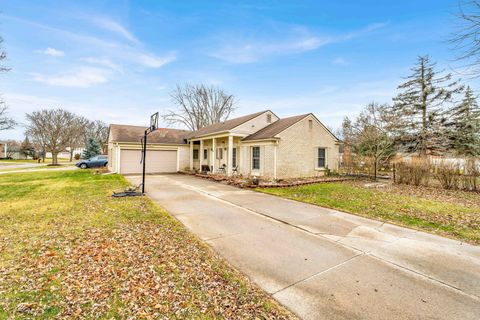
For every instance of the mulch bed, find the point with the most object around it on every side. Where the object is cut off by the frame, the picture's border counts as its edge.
(242, 182)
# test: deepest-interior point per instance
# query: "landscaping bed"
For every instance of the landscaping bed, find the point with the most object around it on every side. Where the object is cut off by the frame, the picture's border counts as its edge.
(451, 213)
(70, 250)
(249, 182)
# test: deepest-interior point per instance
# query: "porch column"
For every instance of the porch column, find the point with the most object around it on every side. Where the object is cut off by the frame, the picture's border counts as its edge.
(214, 153)
(200, 154)
(191, 155)
(230, 155)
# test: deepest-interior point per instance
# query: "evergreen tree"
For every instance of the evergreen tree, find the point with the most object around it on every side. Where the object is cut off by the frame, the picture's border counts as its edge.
(92, 149)
(416, 118)
(464, 126)
(26, 148)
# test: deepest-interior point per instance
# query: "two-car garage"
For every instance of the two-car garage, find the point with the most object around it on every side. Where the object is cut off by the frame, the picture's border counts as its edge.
(167, 150)
(158, 161)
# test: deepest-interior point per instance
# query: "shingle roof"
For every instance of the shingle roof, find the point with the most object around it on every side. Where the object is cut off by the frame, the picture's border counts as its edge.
(127, 133)
(275, 128)
(224, 126)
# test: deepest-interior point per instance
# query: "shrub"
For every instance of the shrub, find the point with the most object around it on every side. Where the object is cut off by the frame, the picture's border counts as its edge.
(414, 173)
(448, 174)
(471, 175)
(77, 156)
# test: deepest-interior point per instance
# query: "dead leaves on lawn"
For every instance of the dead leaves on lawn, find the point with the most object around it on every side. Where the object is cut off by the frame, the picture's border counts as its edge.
(143, 270)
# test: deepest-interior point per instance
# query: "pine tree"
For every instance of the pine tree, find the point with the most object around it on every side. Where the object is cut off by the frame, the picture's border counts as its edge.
(92, 149)
(464, 126)
(26, 148)
(416, 118)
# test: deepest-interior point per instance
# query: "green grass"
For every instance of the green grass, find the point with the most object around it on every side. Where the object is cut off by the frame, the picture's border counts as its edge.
(62, 235)
(445, 218)
(7, 169)
(47, 160)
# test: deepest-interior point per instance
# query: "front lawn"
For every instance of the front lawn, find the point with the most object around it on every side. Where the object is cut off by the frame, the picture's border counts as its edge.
(451, 213)
(69, 250)
(7, 169)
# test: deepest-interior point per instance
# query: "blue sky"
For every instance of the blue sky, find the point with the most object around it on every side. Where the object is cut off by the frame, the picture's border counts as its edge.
(118, 61)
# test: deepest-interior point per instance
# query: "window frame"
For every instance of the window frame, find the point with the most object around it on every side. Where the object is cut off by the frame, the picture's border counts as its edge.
(197, 152)
(205, 154)
(317, 158)
(234, 157)
(253, 158)
(219, 153)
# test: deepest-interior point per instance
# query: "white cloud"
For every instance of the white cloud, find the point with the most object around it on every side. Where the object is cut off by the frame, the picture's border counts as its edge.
(153, 61)
(340, 61)
(292, 40)
(104, 62)
(130, 53)
(82, 78)
(253, 51)
(52, 52)
(113, 26)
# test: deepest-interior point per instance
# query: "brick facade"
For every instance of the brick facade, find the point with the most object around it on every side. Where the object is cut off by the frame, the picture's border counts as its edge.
(297, 149)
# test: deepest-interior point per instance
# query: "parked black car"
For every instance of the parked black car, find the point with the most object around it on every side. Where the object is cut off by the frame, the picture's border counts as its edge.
(97, 161)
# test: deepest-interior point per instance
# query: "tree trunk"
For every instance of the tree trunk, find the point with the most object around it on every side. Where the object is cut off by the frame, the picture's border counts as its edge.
(374, 169)
(71, 154)
(423, 143)
(54, 158)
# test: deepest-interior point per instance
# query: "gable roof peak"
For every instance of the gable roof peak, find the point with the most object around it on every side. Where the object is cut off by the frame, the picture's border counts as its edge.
(226, 125)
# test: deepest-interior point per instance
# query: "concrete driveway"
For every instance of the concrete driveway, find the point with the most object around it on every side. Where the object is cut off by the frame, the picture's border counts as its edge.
(326, 264)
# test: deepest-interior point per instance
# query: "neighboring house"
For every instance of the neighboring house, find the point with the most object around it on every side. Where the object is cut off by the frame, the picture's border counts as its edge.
(3, 149)
(11, 150)
(259, 144)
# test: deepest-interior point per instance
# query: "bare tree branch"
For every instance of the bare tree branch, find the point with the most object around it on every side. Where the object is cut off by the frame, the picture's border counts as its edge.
(52, 129)
(466, 38)
(199, 106)
(6, 122)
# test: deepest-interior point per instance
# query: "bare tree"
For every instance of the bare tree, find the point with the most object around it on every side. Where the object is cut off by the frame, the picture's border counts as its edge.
(52, 129)
(6, 122)
(3, 57)
(466, 39)
(369, 137)
(76, 134)
(97, 130)
(199, 106)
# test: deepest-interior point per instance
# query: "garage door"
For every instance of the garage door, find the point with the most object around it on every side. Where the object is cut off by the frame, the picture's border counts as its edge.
(158, 161)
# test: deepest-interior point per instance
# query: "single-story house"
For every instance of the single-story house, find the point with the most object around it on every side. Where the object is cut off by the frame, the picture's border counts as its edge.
(259, 144)
(9, 149)
(3, 149)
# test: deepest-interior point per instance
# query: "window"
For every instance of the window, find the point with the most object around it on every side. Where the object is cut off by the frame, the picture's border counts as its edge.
(195, 154)
(256, 158)
(269, 118)
(219, 153)
(321, 158)
(234, 157)
(205, 154)
(310, 124)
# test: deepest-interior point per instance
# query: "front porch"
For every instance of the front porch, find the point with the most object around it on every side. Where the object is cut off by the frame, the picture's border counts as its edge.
(219, 154)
